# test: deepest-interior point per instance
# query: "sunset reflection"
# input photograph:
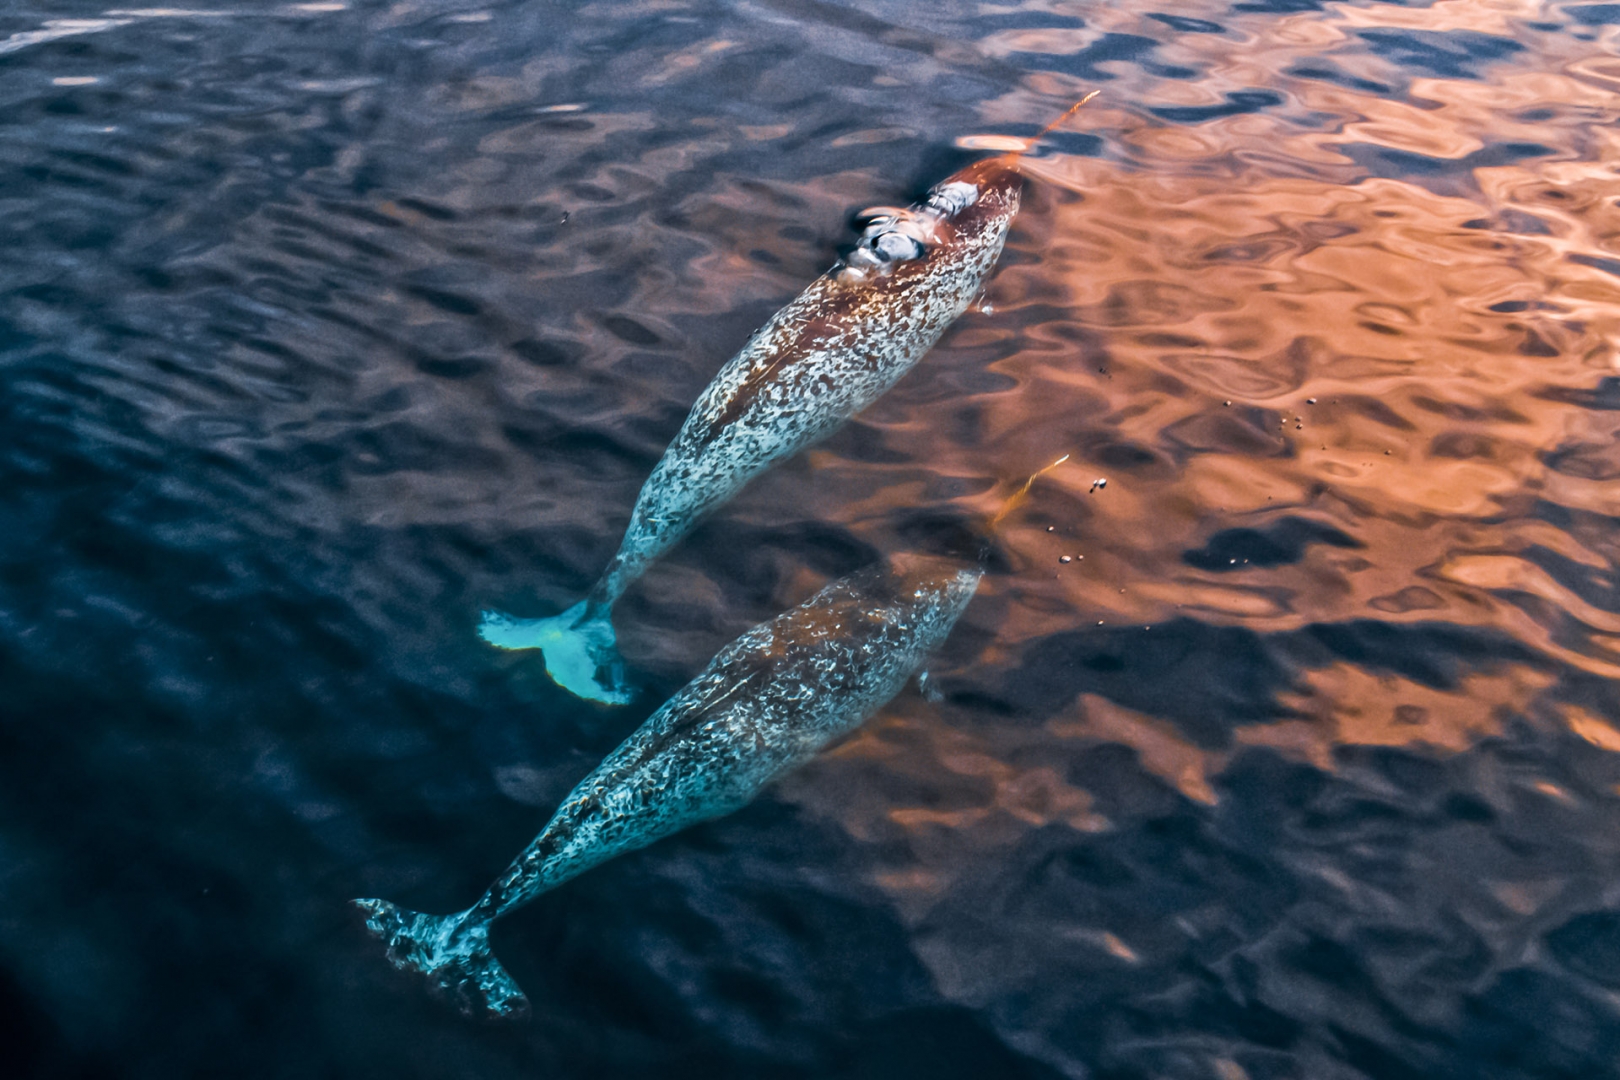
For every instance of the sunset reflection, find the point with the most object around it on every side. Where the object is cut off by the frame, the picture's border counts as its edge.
(1343, 363)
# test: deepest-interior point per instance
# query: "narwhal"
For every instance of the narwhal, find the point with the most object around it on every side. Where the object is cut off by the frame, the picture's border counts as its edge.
(826, 356)
(767, 702)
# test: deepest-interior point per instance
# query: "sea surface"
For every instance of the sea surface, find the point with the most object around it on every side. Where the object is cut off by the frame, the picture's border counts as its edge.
(326, 326)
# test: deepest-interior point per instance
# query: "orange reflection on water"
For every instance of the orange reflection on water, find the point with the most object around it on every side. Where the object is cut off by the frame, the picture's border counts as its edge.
(1241, 323)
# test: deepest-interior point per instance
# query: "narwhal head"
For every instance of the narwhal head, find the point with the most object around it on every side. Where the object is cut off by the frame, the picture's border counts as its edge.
(978, 203)
(958, 222)
(924, 593)
(970, 209)
(964, 215)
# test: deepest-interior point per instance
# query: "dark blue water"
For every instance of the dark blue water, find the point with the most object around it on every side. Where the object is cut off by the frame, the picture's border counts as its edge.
(325, 326)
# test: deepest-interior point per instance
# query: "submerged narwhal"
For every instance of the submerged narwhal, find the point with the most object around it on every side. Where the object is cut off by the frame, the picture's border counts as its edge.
(826, 356)
(766, 703)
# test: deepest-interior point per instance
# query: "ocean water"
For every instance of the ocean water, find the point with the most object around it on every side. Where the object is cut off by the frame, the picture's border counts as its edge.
(325, 326)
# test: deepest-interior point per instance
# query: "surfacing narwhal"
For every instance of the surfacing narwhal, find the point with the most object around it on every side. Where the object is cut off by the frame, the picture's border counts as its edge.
(826, 356)
(767, 702)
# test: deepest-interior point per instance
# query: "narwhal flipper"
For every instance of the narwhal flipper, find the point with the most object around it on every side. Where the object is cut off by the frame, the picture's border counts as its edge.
(454, 955)
(927, 687)
(582, 654)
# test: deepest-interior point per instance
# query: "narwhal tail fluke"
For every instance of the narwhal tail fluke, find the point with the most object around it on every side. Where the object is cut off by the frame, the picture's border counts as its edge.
(453, 954)
(582, 654)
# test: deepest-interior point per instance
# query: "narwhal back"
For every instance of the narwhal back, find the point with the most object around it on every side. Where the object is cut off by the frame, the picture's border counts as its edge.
(783, 690)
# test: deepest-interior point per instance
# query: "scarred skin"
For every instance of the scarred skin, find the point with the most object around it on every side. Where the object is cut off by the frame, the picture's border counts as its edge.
(826, 356)
(766, 703)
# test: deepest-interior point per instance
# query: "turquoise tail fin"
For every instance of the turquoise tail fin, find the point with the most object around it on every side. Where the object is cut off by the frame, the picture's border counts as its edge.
(582, 654)
(452, 953)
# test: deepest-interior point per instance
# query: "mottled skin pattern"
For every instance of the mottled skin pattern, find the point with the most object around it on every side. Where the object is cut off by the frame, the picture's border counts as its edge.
(846, 339)
(823, 358)
(766, 703)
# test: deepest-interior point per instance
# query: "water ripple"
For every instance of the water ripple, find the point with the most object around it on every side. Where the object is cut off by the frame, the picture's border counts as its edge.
(1293, 750)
